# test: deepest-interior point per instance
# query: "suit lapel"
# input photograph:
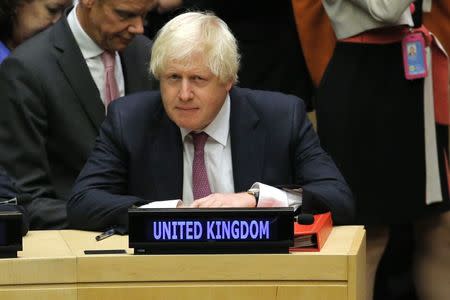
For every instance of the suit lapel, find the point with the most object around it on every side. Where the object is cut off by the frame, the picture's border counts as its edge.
(247, 142)
(167, 160)
(77, 73)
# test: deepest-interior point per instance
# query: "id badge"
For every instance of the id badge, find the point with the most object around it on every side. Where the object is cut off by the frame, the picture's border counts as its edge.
(414, 57)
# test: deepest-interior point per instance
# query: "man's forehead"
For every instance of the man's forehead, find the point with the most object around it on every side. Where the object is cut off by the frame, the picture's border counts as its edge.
(187, 65)
(131, 4)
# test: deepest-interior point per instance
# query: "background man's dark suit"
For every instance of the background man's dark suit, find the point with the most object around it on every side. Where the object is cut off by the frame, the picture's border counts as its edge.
(138, 157)
(50, 114)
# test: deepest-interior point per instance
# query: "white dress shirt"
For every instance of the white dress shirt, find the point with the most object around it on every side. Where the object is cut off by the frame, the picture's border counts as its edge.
(92, 54)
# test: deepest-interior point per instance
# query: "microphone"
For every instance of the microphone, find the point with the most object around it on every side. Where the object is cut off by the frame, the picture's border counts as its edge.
(20, 199)
(304, 219)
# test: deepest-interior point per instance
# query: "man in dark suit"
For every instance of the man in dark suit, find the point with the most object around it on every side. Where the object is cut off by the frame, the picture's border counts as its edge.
(204, 141)
(54, 93)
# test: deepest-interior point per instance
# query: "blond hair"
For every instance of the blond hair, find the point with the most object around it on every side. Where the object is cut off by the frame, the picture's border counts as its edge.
(197, 33)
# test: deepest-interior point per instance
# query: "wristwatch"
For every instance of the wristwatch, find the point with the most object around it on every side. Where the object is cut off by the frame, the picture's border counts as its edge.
(255, 193)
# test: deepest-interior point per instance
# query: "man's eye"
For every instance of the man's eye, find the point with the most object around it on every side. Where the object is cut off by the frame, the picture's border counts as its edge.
(53, 10)
(123, 14)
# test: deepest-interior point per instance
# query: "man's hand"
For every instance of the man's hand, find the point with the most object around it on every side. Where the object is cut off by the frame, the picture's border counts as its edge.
(225, 200)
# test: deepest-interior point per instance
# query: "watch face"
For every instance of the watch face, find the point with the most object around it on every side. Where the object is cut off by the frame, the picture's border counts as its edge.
(255, 194)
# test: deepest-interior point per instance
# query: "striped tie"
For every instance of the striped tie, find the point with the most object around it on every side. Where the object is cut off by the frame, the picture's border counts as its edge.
(111, 90)
(200, 183)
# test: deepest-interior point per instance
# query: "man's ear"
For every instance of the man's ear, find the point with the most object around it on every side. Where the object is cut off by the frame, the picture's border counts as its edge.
(229, 85)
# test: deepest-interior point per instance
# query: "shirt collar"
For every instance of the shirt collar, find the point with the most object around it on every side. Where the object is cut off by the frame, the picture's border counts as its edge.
(219, 128)
(88, 47)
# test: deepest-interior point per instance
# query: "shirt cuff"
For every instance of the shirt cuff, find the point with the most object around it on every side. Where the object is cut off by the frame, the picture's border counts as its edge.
(162, 204)
(270, 196)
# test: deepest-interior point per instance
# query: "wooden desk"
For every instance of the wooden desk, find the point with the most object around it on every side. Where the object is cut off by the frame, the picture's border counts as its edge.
(65, 272)
(46, 269)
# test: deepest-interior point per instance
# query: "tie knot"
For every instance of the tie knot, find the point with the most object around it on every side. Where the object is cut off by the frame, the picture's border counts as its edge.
(199, 140)
(108, 59)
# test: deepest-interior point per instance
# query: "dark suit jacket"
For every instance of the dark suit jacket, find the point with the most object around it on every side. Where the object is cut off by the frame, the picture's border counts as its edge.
(138, 158)
(50, 115)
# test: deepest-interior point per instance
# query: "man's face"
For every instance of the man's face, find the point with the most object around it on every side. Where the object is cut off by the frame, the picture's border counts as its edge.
(36, 15)
(192, 95)
(112, 24)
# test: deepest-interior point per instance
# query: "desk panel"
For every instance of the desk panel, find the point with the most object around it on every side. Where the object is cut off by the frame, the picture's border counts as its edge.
(215, 291)
(45, 258)
(39, 292)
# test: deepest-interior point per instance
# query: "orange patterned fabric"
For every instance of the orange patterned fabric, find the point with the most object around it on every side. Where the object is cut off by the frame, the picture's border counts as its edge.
(438, 21)
(316, 36)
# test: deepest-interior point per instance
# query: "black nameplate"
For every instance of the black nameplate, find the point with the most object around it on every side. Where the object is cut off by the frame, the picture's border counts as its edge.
(10, 234)
(210, 230)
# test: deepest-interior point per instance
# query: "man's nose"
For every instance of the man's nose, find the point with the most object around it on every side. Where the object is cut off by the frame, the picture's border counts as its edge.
(186, 92)
(137, 25)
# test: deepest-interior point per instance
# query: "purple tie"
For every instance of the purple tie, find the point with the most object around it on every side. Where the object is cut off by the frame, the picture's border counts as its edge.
(111, 90)
(200, 183)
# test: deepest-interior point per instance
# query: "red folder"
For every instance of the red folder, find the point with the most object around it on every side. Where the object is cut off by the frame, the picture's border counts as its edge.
(312, 237)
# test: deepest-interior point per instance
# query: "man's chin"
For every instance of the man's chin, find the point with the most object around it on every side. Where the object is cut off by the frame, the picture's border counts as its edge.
(189, 126)
(120, 44)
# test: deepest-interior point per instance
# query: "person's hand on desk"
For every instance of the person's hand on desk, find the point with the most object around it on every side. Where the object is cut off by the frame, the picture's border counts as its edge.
(225, 200)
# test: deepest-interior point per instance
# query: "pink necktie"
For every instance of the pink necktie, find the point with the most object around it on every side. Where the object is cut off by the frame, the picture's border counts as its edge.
(200, 183)
(111, 90)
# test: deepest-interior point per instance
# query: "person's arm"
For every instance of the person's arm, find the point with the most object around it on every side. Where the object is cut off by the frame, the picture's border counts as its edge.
(386, 11)
(99, 197)
(23, 131)
(323, 186)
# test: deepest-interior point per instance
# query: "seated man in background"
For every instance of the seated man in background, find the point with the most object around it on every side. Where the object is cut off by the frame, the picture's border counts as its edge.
(204, 141)
(54, 90)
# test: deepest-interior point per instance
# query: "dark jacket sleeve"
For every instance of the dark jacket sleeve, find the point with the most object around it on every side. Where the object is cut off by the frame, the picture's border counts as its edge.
(98, 197)
(324, 186)
(7, 188)
(23, 128)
